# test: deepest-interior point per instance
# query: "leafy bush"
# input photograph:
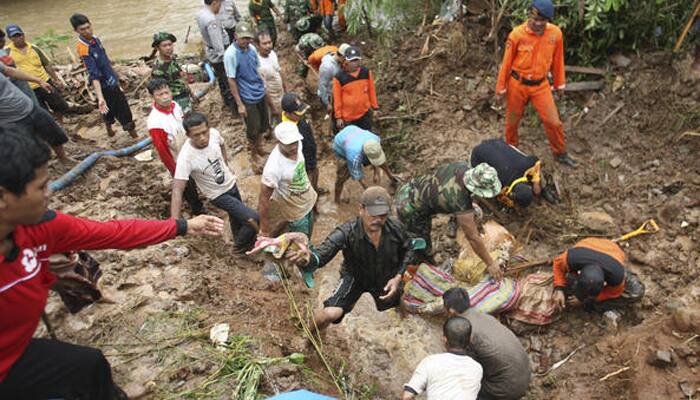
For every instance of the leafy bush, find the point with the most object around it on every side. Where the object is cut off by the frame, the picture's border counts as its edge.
(50, 41)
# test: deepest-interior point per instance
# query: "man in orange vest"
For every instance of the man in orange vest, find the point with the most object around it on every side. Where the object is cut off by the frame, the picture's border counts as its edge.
(593, 270)
(532, 50)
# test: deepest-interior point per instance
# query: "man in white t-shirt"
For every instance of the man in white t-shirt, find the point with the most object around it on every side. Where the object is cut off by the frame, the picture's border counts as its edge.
(270, 72)
(168, 135)
(452, 375)
(203, 158)
(286, 186)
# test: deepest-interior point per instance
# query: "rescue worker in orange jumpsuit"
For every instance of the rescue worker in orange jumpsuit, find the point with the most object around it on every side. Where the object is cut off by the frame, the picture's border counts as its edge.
(532, 50)
(593, 270)
(325, 8)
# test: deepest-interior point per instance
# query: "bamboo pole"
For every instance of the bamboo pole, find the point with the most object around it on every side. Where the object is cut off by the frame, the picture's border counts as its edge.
(688, 24)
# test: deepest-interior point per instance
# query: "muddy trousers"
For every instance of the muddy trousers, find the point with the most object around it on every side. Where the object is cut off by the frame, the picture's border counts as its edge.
(240, 216)
(50, 369)
(192, 197)
(517, 97)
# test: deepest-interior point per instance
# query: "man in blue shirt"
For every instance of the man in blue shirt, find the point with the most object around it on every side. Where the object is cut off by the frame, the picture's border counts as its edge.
(354, 148)
(248, 90)
(110, 99)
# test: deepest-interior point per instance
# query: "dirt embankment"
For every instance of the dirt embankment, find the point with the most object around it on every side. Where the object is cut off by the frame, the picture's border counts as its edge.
(634, 165)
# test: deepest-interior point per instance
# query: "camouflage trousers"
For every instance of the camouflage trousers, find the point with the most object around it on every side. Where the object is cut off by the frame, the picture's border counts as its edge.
(418, 222)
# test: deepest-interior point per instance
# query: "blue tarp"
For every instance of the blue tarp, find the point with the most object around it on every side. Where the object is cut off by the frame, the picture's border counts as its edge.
(300, 395)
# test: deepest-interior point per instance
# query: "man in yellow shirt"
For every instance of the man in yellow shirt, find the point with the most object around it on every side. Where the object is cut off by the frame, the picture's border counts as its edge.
(32, 60)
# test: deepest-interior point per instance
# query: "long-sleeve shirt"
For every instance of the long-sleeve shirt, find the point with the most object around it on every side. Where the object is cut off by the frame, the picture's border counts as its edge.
(602, 252)
(328, 69)
(371, 266)
(166, 131)
(95, 59)
(213, 35)
(25, 278)
(228, 14)
(533, 56)
(354, 94)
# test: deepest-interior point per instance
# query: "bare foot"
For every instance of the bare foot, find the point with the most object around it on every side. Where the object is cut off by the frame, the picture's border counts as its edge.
(133, 134)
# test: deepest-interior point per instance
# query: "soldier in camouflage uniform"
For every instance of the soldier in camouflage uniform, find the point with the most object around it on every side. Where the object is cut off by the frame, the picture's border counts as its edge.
(299, 17)
(307, 44)
(167, 67)
(448, 190)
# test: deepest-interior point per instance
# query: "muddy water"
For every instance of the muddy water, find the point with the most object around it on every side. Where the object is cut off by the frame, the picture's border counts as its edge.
(125, 26)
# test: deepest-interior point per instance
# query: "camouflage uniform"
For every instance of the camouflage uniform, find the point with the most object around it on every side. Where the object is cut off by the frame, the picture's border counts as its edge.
(299, 16)
(173, 73)
(441, 192)
(308, 42)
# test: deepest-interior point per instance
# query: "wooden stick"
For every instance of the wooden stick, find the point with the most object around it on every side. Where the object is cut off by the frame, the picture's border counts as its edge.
(187, 36)
(612, 113)
(583, 86)
(497, 21)
(584, 70)
(610, 375)
(688, 24)
(526, 265)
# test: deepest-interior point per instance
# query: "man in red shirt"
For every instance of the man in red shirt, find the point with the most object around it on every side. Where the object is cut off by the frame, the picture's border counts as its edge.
(34, 368)
(533, 49)
(168, 135)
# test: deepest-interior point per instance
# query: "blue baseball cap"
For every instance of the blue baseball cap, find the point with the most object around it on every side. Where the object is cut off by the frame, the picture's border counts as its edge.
(545, 8)
(13, 30)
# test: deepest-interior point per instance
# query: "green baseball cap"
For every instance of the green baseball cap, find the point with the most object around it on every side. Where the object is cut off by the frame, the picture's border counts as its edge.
(243, 30)
(482, 181)
(162, 37)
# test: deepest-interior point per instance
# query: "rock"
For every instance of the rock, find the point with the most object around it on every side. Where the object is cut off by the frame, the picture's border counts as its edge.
(620, 60)
(686, 319)
(616, 162)
(611, 319)
(684, 351)
(597, 221)
(661, 359)
(182, 251)
(587, 190)
(687, 388)
(535, 344)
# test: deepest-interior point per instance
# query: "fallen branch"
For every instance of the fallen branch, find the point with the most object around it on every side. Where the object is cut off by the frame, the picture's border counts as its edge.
(688, 24)
(584, 70)
(612, 113)
(526, 265)
(497, 21)
(414, 117)
(584, 86)
(562, 362)
(610, 375)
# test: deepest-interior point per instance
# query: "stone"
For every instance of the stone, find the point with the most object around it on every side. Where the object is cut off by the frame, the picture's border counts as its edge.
(661, 359)
(597, 221)
(611, 319)
(620, 60)
(616, 162)
(686, 319)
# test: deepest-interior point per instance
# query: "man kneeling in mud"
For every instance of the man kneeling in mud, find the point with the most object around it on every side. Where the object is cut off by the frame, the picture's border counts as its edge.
(593, 270)
(376, 251)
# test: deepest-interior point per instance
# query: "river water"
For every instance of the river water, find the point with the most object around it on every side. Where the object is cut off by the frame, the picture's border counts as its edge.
(125, 26)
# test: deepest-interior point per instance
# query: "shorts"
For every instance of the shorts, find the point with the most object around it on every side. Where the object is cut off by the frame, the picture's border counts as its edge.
(349, 291)
(304, 225)
(39, 122)
(257, 121)
(364, 122)
(118, 108)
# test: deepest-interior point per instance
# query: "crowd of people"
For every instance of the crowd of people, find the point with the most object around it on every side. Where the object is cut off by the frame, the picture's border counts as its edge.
(483, 359)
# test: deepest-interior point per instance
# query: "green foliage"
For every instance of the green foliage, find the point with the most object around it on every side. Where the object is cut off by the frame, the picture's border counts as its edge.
(50, 41)
(387, 15)
(604, 26)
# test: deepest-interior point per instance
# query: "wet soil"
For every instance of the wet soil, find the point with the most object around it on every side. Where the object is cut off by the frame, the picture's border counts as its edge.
(635, 165)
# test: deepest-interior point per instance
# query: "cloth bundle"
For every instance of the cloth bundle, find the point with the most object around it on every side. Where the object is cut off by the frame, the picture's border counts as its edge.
(536, 305)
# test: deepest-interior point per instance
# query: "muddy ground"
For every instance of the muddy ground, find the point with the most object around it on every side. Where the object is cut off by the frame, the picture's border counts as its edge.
(635, 165)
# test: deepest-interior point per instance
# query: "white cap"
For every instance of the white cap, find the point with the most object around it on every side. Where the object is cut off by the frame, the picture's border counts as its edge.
(342, 49)
(287, 133)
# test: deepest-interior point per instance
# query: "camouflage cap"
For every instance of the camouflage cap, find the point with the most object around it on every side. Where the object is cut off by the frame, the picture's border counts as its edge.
(482, 181)
(244, 30)
(162, 37)
(303, 24)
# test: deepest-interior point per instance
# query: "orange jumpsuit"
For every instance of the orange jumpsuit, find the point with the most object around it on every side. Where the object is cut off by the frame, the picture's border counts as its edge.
(341, 13)
(532, 57)
(604, 247)
(322, 7)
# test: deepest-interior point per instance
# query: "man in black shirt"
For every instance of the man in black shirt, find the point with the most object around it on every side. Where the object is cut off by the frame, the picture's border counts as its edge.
(519, 173)
(376, 250)
(293, 110)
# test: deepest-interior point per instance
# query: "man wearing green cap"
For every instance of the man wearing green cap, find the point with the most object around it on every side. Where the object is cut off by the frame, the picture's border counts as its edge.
(167, 67)
(261, 12)
(448, 190)
(376, 248)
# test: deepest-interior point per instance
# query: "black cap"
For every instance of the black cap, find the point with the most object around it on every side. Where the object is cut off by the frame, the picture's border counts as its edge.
(353, 53)
(589, 283)
(522, 194)
(292, 104)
